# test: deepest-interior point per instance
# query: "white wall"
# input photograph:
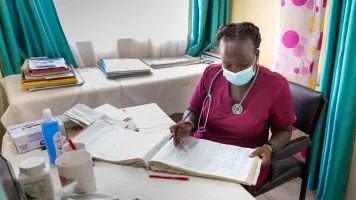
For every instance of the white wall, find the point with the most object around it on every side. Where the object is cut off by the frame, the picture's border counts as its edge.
(265, 15)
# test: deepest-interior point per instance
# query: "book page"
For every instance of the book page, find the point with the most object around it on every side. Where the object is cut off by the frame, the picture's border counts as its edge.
(206, 157)
(114, 144)
(157, 147)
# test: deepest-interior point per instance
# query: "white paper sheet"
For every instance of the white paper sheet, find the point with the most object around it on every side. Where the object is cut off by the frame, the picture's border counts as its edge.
(84, 114)
(112, 112)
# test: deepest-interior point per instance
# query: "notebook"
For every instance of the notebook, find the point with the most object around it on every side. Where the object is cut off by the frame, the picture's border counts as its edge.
(42, 71)
(113, 68)
(157, 63)
(156, 151)
(49, 82)
(29, 78)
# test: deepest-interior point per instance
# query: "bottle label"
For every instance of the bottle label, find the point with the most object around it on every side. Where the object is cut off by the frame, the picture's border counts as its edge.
(58, 143)
(37, 189)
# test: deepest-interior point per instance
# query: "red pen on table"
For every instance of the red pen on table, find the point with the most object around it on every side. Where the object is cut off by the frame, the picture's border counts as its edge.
(180, 178)
(71, 144)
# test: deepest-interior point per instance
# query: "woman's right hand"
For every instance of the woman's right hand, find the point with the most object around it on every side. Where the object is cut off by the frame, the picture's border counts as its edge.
(181, 130)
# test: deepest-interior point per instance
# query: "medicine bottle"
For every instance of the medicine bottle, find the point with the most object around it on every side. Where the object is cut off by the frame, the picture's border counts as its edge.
(35, 179)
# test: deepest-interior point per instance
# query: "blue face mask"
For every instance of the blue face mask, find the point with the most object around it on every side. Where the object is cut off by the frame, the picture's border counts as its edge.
(239, 78)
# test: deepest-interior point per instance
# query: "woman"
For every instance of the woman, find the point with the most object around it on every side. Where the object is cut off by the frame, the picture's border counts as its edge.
(246, 99)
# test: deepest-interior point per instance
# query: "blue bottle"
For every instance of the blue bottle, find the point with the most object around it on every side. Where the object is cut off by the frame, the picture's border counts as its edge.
(52, 136)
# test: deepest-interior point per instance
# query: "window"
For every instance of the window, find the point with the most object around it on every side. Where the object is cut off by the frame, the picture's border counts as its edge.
(104, 22)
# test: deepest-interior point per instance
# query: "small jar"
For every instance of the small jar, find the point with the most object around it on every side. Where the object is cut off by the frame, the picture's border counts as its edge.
(35, 179)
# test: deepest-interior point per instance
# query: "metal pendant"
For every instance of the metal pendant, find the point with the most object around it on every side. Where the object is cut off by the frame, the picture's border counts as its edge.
(237, 109)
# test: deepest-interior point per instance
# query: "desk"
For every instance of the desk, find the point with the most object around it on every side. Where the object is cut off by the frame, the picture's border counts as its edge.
(128, 182)
(170, 88)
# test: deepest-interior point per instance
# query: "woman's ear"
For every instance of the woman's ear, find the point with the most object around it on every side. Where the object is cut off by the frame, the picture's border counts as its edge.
(257, 55)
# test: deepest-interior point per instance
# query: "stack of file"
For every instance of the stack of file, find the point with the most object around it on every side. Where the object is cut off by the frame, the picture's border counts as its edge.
(209, 55)
(157, 63)
(45, 73)
(84, 116)
(117, 68)
(212, 54)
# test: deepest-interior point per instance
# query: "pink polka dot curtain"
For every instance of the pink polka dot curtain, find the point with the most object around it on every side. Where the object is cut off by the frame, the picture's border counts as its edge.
(299, 42)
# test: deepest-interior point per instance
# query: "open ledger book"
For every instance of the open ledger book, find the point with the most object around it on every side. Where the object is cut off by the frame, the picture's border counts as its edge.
(155, 151)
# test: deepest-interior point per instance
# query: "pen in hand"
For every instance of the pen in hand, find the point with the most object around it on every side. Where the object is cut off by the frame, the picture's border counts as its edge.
(178, 126)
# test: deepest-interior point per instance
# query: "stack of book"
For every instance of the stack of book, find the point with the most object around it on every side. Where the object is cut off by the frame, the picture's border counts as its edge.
(46, 73)
(117, 68)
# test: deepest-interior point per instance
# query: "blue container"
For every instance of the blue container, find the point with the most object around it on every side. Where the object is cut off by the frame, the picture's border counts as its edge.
(52, 136)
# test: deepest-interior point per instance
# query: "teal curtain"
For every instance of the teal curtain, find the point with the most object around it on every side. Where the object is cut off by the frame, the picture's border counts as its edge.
(30, 28)
(329, 167)
(207, 17)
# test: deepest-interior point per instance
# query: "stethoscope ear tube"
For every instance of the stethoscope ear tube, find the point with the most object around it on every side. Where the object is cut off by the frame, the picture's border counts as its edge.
(209, 99)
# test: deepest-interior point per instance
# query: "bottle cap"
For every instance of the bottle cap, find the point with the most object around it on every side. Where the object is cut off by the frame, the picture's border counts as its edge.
(47, 115)
(32, 166)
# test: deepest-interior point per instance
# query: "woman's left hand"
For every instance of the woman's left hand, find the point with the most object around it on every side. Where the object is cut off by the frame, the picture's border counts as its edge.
(264, 153)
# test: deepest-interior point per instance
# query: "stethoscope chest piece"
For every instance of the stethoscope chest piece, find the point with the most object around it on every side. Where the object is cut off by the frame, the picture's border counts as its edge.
(237, 109)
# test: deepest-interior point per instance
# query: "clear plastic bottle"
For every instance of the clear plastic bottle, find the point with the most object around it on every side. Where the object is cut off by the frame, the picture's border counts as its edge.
(52, 136)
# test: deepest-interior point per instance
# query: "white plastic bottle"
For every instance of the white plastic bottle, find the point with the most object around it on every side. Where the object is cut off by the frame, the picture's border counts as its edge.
(35, 179)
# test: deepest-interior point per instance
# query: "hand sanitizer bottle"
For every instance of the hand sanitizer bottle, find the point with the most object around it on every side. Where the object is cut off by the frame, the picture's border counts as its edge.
(51, 135)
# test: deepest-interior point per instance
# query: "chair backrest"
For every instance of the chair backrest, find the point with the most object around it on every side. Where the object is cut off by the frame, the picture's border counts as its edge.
(308, 106)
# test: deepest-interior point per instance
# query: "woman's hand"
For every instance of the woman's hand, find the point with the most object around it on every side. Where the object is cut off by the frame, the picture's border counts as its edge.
(264, 153)
(181, 130)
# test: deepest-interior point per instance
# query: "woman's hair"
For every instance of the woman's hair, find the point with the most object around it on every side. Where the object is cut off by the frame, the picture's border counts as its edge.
(242, 31)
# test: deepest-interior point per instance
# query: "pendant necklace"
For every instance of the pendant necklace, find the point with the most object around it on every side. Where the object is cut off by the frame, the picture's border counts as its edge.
(237, 108)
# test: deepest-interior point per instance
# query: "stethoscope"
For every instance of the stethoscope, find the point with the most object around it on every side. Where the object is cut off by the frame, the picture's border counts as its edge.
(207, 98)
(237, 108)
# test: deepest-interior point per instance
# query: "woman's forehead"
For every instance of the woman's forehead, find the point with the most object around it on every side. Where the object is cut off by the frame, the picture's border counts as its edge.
(237, 48)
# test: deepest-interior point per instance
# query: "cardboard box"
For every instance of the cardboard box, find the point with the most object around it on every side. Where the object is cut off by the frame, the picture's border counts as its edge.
(29, 136)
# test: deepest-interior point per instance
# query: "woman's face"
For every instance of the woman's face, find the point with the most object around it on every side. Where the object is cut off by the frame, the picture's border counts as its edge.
(237, 55)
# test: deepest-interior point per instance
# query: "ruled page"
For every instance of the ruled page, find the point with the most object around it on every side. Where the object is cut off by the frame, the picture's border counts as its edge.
(210, 158)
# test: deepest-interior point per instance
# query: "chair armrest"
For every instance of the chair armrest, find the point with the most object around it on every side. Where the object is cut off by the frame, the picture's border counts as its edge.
(293, 147)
